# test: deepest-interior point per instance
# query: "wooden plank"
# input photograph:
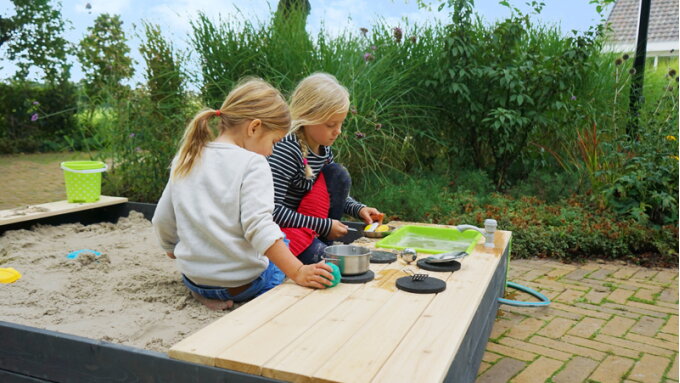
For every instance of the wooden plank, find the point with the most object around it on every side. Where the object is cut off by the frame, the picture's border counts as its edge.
(251, 353)
(427, 351)
(31, 212)
(204, 345)
(367, 349)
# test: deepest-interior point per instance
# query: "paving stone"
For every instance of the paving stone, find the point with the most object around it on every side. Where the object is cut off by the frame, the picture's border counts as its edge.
(599, 346)
(577, 274)
(500, 327)
(600, 274)
(608, 310)
(625, 272)
(673, 372)
(540, 350)
(617, 326)
(644, 274)
(502, 371)
(483, 366)
(629, 307)
(612, 369)
(667, 337)
(595, 296)
(539, 371)
(545, 312)
(645, 294)
(577, 310)
(511, 352)
(556, 328)
(671, 326)
(652, 341)
(666, 276)
(567, 347)
(569, 296)
(576, 370)
(648, 326)
(669, 295)
(620, 296)
(525, 328)
(490, 357)
(534, 274)
(653, 308)
(587, 327)
(632, 345)
(649, 369)
(558, 272)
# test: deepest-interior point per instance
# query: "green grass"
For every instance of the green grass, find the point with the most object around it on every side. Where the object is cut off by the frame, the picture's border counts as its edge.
(43, 158)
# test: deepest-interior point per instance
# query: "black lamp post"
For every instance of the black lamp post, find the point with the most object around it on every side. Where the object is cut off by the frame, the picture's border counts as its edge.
(636, 97)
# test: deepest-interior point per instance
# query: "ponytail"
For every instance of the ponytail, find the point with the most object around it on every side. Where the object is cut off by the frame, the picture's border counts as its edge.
(196, 136)
(251, 99)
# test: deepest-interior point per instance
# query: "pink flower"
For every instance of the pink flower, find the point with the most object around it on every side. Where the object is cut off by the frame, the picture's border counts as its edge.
(398, 34)
(34, 117)
(368, 57)
(360, 135)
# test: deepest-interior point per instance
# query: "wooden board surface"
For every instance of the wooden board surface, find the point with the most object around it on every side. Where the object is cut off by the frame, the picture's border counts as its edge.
(351, 333)
(31, 212)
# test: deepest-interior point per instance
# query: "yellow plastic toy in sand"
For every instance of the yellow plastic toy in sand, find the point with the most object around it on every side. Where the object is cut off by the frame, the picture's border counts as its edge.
(9, 275)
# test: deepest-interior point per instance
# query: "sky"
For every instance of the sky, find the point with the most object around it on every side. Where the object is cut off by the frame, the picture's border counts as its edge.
(174, 17)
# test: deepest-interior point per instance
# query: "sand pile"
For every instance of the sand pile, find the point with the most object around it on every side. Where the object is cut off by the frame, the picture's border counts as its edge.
(130, 294)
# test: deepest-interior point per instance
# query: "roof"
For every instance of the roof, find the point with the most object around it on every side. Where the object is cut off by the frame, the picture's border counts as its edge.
(663, 21)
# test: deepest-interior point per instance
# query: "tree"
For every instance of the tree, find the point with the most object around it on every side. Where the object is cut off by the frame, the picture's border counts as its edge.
(104, 56)
(33, 38)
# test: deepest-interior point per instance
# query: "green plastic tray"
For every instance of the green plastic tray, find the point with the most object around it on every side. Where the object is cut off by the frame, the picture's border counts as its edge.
(431, 240)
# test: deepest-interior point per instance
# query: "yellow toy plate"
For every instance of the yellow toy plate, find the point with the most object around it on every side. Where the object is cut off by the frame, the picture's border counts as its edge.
(9, 275)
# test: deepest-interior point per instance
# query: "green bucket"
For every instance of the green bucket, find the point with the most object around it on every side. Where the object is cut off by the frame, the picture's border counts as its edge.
(83, 180)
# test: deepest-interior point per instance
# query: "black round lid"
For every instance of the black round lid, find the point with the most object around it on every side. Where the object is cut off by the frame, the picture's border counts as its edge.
(428, 285)
(378, 256)
(447, 266)
(359, 278)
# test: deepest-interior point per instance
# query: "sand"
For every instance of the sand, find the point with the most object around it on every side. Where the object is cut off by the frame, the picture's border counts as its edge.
(131, 294)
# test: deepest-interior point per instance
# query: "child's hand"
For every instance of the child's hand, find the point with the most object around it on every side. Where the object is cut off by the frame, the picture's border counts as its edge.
(338, 229)
(317, 275)
(170, 255)
(366, 214)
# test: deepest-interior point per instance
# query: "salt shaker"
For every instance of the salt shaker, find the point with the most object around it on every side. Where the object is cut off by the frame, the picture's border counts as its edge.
(408, 255)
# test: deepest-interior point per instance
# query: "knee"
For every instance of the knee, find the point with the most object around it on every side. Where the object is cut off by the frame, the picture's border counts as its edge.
(337, 173)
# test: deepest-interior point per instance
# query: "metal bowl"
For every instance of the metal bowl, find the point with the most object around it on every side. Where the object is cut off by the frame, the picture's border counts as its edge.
(350, 259)
(378, 234)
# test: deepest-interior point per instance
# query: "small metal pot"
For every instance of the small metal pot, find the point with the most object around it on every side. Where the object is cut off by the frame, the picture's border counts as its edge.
(350, 259)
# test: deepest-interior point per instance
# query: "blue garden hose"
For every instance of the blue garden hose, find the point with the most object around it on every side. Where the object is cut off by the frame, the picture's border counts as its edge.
(544, 300)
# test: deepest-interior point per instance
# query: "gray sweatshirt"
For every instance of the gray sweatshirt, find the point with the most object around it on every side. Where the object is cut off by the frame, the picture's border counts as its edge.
(217, 219)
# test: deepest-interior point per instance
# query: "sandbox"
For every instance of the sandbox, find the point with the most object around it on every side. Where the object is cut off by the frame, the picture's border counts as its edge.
(114, 316)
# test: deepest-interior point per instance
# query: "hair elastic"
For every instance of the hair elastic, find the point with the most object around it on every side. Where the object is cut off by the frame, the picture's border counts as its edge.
(218, 112)
(304, 161)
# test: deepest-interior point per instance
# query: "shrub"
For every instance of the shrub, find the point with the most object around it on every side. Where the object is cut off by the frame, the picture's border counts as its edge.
(36, 117)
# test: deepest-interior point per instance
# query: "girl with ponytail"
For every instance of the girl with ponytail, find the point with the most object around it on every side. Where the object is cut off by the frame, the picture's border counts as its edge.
(311, 191)
(215, 215)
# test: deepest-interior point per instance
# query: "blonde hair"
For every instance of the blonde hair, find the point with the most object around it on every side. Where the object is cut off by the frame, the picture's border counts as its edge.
(315, 100)
(251, 99)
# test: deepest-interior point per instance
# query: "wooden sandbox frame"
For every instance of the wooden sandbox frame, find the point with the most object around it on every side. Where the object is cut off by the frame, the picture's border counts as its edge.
(29, 354)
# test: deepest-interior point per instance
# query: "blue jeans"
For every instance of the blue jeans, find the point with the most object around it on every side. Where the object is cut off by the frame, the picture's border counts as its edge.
(270, 278)
(338, 183)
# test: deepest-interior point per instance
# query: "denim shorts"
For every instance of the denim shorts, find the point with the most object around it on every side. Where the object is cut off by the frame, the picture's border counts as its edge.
(270, 278)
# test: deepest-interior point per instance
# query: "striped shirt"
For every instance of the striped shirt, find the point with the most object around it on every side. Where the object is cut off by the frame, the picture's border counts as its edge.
(290, 185)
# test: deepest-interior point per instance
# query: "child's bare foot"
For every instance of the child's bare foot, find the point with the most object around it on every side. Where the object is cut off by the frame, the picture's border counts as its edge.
(213, 304)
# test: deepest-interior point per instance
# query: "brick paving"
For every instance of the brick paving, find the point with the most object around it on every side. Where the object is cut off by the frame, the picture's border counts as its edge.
(608, 322)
